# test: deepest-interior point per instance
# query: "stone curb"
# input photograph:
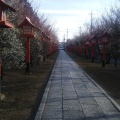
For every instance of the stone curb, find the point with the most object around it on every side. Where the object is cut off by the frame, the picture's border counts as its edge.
(43, 101)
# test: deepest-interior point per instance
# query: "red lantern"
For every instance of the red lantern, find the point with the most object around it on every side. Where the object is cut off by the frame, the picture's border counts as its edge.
(27, 31)
(104, 40)
(86, 43)
(27, 28)
(4, 8)
(93, 42)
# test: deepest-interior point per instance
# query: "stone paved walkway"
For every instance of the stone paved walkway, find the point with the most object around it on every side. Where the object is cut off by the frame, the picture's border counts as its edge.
(72, 95)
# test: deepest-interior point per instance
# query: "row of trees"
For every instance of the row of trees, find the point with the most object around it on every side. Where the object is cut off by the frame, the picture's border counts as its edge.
(109, 22)
(12, 45)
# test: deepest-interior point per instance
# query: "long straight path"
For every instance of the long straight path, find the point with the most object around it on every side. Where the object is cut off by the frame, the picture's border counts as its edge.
(72, 95)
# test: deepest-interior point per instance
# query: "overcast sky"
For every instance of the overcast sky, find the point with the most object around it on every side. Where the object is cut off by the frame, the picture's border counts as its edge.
(70, 15)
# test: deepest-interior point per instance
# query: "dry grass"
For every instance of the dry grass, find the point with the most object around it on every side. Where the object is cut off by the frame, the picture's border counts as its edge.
(24, 92)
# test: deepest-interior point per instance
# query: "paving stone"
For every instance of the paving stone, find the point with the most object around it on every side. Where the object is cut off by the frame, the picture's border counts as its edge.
(96, 118)
(71, 105)
(113, 116)
(90, 85)
(50, 119)
(56, 78)
(66, 72)
(102, 99)
(84, 94)
(65, 75)
(68, 88)
(82, 76)
(55, 88)
(93, 111)
(65, 84)
(77, 81)
(107, 107)
(75, 76)
(53, 99)
(73, 115)
(54, 93)
(67, 80)
(58, 81)
(69, 95)
(88, 100)
(52, 112)
(79, 87)
(93, 89)
(56, 103)
(85, 79)
(97, 94)
(56, 84)
(54, 96)
(56, 73)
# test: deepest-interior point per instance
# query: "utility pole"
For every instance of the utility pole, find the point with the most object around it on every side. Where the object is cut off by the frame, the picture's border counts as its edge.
(67, 33)
(63, 43)
(64, 38)
(91, 26)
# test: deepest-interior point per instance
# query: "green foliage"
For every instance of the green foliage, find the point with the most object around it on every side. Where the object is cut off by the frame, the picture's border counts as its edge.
(11, 49)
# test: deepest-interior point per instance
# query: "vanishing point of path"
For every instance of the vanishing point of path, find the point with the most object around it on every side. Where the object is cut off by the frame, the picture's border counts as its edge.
(72, 95)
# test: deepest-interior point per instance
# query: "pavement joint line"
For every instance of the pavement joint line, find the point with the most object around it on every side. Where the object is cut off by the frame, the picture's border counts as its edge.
(77, 96)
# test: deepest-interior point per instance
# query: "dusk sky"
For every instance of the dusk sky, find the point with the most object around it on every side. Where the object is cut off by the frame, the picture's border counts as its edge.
(71, 14)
